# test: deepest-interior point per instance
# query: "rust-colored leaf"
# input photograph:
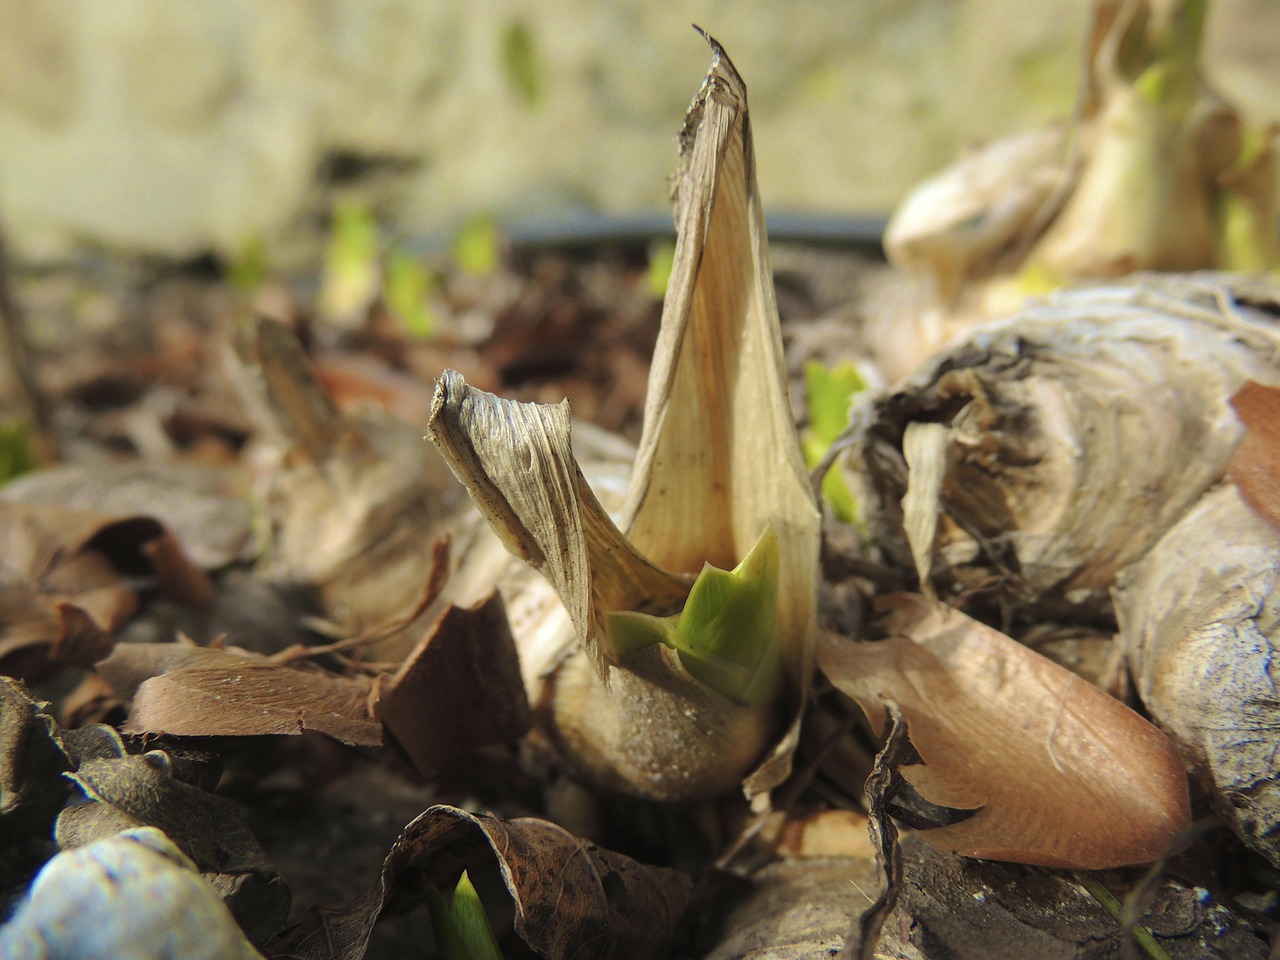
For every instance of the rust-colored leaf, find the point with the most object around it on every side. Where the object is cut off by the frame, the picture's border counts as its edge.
(572, 898)
(203, 693)
(459, 689)
(1060, 774)
(1255, 466)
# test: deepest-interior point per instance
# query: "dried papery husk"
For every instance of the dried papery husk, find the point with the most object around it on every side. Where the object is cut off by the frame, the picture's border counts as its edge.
(639, 723)
(1076, 433)
(719, 455)
(1200, 622)
(719, 463)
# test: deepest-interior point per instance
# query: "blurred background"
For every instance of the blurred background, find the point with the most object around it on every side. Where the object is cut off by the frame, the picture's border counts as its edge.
(181, 128)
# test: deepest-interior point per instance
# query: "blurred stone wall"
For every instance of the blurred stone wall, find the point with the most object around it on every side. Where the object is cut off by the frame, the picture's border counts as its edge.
(173, 127)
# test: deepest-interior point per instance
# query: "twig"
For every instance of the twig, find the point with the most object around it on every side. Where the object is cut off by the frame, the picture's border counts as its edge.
(862, 940)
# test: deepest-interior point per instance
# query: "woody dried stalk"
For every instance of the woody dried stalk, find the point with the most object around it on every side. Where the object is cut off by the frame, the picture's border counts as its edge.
(1068, 438)
(719, 471)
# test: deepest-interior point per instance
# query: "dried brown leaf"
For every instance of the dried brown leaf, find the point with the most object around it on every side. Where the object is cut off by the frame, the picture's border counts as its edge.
(202, 692)
(572, 898)
(1255, 466)
(881, 785)
(61, 574)
(1059, 773)
(460, 688)
(197, 503)
(353, 499)
(31, 766)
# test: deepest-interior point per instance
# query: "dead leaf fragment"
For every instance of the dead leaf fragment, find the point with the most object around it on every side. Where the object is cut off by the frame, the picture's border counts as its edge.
(202, 693)
(1255, 466)
(460, 688)
(572, 898)
(31, 764)
(1060, 773)
(214, 526)
(62, 575)
(353, 499)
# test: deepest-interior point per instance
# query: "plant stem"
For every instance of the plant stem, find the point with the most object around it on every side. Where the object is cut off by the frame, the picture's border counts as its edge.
(1141, 935)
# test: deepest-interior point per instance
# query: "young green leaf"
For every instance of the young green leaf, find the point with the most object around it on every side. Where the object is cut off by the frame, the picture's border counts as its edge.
(727, 634)
(662, 259)
(461, 926)
(252, 264)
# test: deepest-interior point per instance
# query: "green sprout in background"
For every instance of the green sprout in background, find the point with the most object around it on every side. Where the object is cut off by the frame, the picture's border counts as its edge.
(461, 926)
(829, 391)
(352, 268)
(407, 286)
(17, 455)
(251, 266)
(477, 246)
(662, 259)
(521, 63)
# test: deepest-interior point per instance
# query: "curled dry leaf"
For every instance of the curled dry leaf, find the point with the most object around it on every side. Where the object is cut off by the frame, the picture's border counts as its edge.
(517, 462)
(572, 898)
(201, 692)
(197, 503)
(1255, 467)
(1200, 622)
(132, 896)
(961, 224)
(31, 765)
(719, 460)
(1068, 438)
(62, 575)
(1059, 773)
